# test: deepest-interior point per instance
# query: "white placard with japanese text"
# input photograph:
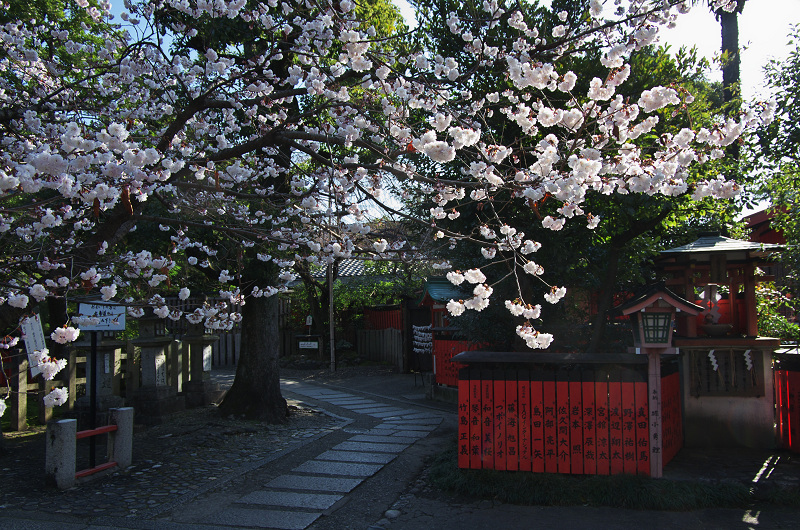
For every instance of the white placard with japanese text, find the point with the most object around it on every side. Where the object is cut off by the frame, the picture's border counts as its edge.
(111, 317)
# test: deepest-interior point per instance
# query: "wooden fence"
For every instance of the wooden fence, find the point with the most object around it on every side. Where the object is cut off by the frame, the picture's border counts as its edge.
(383, 345)
(383, 318)
(575, 419)
(444, 371)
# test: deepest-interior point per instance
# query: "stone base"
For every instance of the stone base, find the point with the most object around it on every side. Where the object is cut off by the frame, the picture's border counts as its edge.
(202, 393)
(156, 404)
(83, 410)
(441, 393)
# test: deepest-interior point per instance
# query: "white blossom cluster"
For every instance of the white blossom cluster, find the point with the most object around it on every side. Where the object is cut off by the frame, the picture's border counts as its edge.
(128, 161)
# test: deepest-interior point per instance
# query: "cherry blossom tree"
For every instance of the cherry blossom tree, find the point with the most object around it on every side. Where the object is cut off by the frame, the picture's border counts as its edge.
(242, 130)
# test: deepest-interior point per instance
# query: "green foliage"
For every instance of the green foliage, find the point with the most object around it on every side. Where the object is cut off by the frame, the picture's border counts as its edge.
(773, 306)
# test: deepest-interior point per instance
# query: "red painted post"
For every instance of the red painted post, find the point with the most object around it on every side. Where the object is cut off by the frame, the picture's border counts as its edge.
(512, 421)
(524, 411)
(576, 448)
(588, 415)
(538, 433)
(602, 443)
(475, 419)
(642, 430)
(463, 419)
(654, 391)
(487, 427)
(562, 422)
(615, 425)
(550, 432)
(499, 421)
(628, 428)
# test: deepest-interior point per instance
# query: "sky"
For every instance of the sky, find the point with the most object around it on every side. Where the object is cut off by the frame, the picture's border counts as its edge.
(763, 33)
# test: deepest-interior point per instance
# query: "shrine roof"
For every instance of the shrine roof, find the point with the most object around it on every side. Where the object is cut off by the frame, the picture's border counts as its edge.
(719, 244)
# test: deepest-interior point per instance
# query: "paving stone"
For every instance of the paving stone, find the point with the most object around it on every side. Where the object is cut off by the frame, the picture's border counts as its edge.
(418, 422)
(383, 439)
(370, 447)
(338, 468)
(357, 456)
(373, 410)
(362, 407)
(404, 426)
(389, 414)
(307, 483)
(349, 401)
(281, 519)
(422, 416)
(291, 499)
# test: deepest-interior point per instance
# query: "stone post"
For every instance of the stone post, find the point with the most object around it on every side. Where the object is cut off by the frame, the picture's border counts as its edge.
(155, 401)
(19, 397)
(120, 442)
(60, 453)
(199, 390)
(107, 365)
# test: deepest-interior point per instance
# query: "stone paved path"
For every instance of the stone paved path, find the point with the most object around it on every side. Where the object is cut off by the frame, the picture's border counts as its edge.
(294, 500)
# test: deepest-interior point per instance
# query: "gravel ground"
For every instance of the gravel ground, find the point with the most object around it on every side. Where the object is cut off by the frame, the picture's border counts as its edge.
(195, 451)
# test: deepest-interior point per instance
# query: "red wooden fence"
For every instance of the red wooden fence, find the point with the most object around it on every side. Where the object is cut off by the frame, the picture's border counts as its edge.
(383, 318)
(787, 403)
(444, 371)
(576, 421)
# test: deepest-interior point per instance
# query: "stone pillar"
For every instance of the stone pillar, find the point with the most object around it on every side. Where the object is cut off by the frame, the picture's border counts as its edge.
(120, 442)
(155, 401)
(199, 390)
(60, 453)
(18, 404)
(107, 364)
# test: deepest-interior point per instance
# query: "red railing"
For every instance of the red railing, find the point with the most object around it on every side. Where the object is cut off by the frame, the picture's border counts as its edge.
(87, 434)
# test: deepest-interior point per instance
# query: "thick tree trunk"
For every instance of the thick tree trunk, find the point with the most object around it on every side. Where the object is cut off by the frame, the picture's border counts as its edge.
(256, 391)
(731, 69)
(605, 300)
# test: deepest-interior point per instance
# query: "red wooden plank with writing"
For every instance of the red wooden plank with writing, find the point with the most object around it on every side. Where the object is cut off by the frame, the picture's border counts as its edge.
(615, 452)
(538, 449)
(512, 422)
(463, 421)
(588, 420)
(776, 379)
(575, 425)
(524, 414)
(628, 428)
(783, 407)
(475, 420)
(794, 410)
(642, 430)
(500, 449)
(562, 425)
(601, 426)
(550, 441)
(487, 420)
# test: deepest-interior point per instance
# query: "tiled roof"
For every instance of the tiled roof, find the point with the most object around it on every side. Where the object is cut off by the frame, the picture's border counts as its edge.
(441, 290)
(722, 244)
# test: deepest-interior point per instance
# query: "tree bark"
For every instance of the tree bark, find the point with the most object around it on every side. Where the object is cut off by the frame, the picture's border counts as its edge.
(605, 300)
(256, 391)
